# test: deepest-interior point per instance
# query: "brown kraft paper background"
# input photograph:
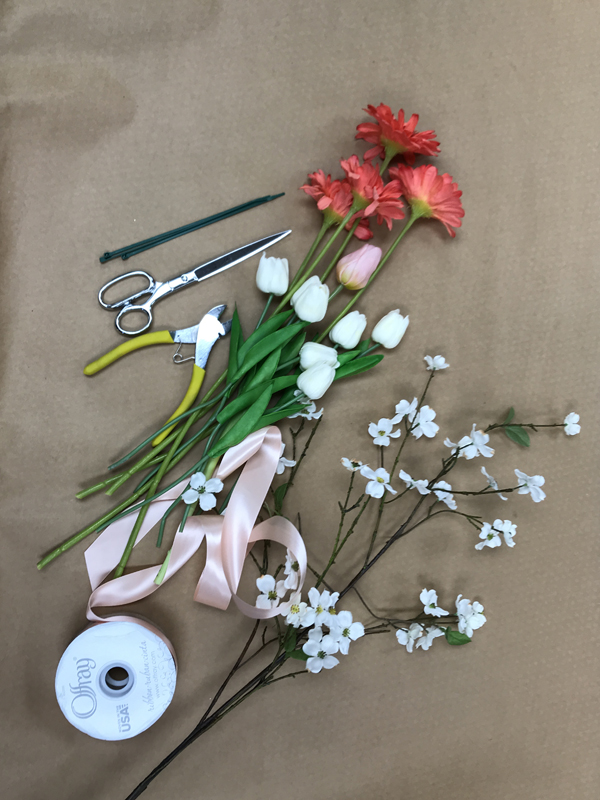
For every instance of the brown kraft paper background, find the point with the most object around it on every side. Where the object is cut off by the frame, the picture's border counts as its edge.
(122, 119)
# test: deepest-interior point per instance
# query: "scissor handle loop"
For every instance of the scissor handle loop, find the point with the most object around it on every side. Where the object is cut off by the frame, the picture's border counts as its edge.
(127, 300)
(145, 309)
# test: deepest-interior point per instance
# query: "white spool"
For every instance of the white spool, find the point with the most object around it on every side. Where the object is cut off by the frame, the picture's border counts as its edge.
(115, 680)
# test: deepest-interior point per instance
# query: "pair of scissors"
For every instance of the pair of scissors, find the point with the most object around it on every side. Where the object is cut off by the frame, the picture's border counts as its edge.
(158, 289)
(203, 335)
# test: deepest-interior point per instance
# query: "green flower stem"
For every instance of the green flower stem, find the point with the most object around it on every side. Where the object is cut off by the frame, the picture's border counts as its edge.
(340, 252)
(163, 522)
(380, 266)
(97, 488)
(386, 162)
(324, 228)
(338, 547)
(533, 425)
(264, 312)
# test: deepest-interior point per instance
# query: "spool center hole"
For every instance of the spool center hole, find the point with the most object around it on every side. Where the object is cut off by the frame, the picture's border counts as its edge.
(117, 678)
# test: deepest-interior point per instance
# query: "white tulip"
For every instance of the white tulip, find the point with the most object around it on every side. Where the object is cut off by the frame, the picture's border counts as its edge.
(273, 275)
(390, 329)
(348, 330)
(313, 353)
(310, 300)
(316, 380)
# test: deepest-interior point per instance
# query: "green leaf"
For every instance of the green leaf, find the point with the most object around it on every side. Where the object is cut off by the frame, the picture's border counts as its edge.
(510, 415)
(518, 434)
(291, 350)
(349, 355)
(289, 642)
(247, 423)
(266, 370)
(456, 637)
(265, 347)
(279, 494)
(275, 416)
(364, 344)
(357, 366)
(299, 655)
(236, 339)
(272, 324)
(247, 398)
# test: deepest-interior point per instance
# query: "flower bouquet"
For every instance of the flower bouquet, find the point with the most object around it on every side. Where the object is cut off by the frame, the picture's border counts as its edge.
(276, 373)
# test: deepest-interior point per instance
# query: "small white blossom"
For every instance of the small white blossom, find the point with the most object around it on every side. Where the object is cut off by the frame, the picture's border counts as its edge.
(491, 537)
(291, 570)
(470, 617)
(310, 412)
(432, 633)
(203, 491)
(344, 630)
(492, 482)
(408, 636)
(420, 486)
(571, 424)
(320, 650)
(530, 484)
(405, 409)
(382, 432)
(271, 592)
(435, 363)
(284, 462)
(423, 424)
(508, 530)
(442, 491)
(323, 604)
(379, 481)
(471, 446)
(351, 464)
(299, 614)
(429, 599)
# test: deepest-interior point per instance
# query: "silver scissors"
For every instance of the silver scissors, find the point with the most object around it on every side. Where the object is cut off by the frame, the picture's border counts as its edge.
(156, 290)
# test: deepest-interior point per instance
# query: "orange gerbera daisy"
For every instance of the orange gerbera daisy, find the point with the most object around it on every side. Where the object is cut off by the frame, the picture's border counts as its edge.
(430, 194)
(393, 137)
(370, 193)
(334, 199)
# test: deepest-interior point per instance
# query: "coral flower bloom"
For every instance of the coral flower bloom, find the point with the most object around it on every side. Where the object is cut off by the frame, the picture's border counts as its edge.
(393, 137)
(430, 194)
(370, 193)
(334, 199)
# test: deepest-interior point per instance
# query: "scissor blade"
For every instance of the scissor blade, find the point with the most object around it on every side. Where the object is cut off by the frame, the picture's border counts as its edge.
(236, 256)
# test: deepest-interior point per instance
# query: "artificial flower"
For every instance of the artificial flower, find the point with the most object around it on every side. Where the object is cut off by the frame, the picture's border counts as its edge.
(291, 570)
(353, 466)
(348, 330)
(382, 432)
(203, 491)
(390, 329)
(393, 137)
(334, 199)
(530, 484)
(310, 300)
(430, 194)
(436, 362)
(441, 489)
(492, 482)
(429, 599)
(379, 481)
(272, 591)
(315, 381)
(490, 537)
(470, 617)
(431, 633)
(508, 530)
(320, 650)
(273, 275)
(420, 486)
(322, 602)
(408, 636)
(313, 353)
(471, 446)
(298, 613)
(370, 193)
(310, 412)
(284, 462)
(344, 631)
(354, 270)
(423, 424)
(571, 424)
(405, 409)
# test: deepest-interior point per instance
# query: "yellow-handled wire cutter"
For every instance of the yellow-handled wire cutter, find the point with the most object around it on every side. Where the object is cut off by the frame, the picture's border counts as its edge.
(203, 335)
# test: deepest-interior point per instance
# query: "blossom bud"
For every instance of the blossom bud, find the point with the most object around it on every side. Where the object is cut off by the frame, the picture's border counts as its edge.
(390, 329)
(315, 381)
(273, 275)
(313, 353)
(348, 330)
(354, 270)
(310, 300)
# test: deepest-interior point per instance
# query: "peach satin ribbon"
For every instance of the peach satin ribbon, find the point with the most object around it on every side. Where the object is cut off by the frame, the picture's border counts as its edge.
(229, 538)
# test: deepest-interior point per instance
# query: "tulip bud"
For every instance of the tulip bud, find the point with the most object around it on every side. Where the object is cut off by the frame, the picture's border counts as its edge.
(354, 270)
(310, 300)
(348, 330)
(313, 353)
(273, 275)
(315, 381)
(390, 329)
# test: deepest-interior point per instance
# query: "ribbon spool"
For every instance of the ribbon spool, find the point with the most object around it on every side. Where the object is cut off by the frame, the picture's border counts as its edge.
(116, 679)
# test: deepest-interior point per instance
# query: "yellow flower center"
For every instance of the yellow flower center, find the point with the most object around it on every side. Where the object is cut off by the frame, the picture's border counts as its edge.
(295, 609)
(380, 480)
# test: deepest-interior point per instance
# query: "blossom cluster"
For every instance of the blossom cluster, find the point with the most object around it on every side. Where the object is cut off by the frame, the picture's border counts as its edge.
(469, 617)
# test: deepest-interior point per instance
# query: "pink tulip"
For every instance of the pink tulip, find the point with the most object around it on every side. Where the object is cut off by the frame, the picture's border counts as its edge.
(355, 269)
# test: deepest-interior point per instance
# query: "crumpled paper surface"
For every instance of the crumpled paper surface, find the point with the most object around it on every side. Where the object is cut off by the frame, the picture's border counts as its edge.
(121, 120)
